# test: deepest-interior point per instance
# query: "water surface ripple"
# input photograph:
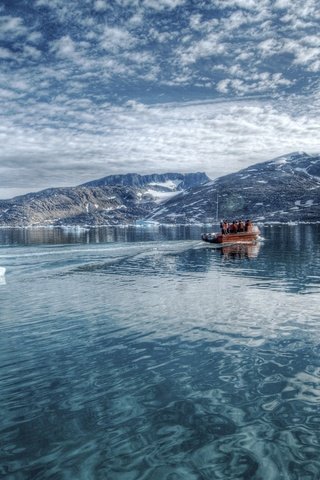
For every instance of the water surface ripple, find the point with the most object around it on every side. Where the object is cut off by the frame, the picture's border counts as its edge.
(152, 356)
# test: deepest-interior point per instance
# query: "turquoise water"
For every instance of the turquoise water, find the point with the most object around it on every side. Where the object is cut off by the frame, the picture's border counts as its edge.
(145, 354)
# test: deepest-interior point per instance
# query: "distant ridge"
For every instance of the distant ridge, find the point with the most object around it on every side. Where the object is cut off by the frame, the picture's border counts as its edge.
(284, 189)
(112, 200)
(184, 181)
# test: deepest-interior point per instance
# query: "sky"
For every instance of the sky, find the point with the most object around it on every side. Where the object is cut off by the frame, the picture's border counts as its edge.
(90, 88)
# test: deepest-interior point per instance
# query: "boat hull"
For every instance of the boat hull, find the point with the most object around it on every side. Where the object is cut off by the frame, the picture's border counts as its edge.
(230, 238)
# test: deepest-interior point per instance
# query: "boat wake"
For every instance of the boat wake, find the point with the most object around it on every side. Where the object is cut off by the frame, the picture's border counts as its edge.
(65, 259)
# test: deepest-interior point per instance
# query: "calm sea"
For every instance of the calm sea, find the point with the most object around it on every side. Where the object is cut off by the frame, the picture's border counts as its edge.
(146, 354)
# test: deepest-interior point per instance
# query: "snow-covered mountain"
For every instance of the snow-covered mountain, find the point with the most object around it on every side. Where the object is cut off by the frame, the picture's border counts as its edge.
(284, 189)
(155, 187)
(161, 181)
(112, 200)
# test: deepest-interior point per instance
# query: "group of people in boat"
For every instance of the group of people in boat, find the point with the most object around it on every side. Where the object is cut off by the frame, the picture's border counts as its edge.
(235, 226)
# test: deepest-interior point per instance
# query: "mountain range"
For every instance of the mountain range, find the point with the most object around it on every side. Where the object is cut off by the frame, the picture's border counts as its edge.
(112, 200)
(283, 189)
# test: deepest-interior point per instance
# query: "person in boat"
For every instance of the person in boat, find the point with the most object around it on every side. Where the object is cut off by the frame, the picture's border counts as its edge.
(233, 227)
(248, 226)
(225, 227)
(241, 226)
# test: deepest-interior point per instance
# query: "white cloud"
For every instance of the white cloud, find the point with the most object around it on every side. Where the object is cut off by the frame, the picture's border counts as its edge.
(195, 21)
(31, 52)
(136, 19)
(282, 4)
(308, 56)
(67, 49)
(6, 93)
(269, 47)
(304, 54)
(115, 39)
(64, 47)
(5, 53)
(100, 5)
(184, 78)
(34, 37)
(45, 3)
(162, 4)
(300, 14)
(161, 37)
(14, 30)
(258, 82)
(19, 84)
(141, 58)
(63, 10)
(237, 19)
(312, 40)
(244, 56)
(223, 86)
(218, 138)
(11, 27)
(242, 4)
(209, 46)
(129, 3)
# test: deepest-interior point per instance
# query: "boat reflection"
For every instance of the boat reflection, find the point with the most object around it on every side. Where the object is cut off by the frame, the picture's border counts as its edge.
(241, 250)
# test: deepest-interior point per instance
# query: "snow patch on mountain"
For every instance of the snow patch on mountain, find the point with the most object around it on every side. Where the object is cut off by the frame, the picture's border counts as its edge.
(280, 161)
(169, 184)
(159, 196)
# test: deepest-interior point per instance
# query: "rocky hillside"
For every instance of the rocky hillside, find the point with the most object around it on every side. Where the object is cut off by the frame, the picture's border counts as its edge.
(160, 182)
(112, 200)
(284, 189)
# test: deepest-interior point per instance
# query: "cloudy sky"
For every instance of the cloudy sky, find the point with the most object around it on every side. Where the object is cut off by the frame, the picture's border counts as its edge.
(90, 88)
